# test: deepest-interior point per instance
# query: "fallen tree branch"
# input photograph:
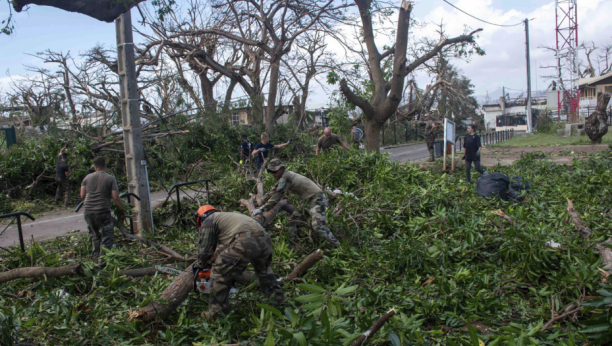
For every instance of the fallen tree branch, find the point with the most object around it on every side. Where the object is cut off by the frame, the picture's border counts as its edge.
(585, 232)
(35, 272)
(148, 242)
(375, 327)
(503, 215)
(303, 267)
(558, 318)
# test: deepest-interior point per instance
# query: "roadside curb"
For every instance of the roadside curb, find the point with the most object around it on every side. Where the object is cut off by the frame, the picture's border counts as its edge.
(402, 145)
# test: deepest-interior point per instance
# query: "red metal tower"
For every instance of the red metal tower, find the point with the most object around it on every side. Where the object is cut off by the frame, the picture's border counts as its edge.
(566, 12)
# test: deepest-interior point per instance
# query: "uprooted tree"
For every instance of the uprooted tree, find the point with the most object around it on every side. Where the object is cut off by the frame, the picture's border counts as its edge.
(388, 86)
(596, 125)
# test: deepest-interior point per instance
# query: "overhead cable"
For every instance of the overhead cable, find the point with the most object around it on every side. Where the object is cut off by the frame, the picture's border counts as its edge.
(482, 20)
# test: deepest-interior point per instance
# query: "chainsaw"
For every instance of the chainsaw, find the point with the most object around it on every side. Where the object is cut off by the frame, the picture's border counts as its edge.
(201, 282)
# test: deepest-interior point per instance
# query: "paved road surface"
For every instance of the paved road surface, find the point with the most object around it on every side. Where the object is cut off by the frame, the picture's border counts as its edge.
(46, 227)
(415, 152)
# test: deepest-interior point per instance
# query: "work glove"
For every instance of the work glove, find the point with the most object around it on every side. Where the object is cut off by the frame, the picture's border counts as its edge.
(121, 214)
(257, 212)
(289, 142)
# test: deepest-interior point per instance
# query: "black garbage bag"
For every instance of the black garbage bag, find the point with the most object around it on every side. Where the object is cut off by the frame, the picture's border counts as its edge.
(491, 185)
(517, 185)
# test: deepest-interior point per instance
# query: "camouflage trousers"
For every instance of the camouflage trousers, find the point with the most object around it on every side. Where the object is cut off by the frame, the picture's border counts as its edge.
(231, 263)
(315, 209)
(430, 147)
(63, 188)
(101, 230)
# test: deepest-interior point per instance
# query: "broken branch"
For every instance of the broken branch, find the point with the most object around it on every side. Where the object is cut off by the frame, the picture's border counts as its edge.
(375, 327)
(585, 232)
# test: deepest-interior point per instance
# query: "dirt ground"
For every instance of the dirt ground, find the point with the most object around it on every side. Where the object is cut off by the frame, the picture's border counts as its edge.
(491, 156)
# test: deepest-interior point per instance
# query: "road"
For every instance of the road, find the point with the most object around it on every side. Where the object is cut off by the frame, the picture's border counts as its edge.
(413, 152)
(57, 224)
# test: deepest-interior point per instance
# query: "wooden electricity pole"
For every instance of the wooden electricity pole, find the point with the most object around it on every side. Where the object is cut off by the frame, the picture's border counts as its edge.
(135, 163)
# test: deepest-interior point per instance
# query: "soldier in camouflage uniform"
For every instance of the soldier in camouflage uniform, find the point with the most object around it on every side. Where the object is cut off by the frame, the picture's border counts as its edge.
(246, 242)
(430, 136)
(315, 205)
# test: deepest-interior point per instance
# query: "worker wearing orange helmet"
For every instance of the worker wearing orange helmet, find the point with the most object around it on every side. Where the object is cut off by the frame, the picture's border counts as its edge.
(246, 242)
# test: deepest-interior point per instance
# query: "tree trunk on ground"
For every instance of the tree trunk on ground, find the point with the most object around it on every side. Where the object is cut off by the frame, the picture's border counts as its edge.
(170, 299)
(36, 272)
(372, 135)
(596, 125)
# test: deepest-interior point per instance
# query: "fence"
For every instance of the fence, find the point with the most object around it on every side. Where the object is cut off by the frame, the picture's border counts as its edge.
(487, 138)
(399, 133)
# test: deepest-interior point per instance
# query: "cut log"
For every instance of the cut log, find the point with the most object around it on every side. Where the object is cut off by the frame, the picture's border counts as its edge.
(303, 267)
(170, 299)
(36, 272)
(375, 327)
(585, 232)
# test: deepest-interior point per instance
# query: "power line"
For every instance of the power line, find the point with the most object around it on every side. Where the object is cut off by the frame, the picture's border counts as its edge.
(482, 20)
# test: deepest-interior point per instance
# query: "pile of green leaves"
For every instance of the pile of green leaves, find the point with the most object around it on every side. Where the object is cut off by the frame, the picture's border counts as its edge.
(414, 240)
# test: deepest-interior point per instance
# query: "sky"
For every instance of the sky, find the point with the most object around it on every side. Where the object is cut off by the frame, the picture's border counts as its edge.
(42, 28)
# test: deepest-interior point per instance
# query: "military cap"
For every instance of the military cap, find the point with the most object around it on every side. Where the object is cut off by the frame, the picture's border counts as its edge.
(275, 165)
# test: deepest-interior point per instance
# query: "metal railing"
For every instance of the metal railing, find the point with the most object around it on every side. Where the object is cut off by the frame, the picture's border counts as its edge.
(178, 186)
(127, 196)
(17, 216)
(488, 138)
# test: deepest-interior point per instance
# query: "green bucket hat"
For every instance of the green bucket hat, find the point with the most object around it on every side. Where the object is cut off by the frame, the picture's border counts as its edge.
(275, 165)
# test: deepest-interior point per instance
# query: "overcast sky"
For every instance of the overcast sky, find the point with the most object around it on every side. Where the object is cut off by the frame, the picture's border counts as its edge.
(44, 28)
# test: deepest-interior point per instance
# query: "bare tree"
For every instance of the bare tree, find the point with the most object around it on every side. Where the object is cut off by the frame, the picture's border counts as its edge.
(388, 87)
(308, 61)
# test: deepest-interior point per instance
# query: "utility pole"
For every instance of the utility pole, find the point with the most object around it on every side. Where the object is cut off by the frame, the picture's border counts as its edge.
(135, 163)
(529, 129)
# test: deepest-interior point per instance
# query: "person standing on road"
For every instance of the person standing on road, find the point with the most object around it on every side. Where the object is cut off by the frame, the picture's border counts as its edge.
(356, 136)
(471, 152)
(328, 140)
(97, 189)
(430, 136)
(62, 171)
(263, 148)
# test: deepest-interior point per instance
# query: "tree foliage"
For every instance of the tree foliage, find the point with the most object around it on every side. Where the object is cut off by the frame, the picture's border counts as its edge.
(416, 240)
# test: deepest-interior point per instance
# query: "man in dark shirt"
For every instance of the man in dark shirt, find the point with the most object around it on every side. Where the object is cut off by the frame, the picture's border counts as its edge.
(471, 152)
(97, 189)
(246, 147)
(263, 148)
(62, 171)
(328, 140)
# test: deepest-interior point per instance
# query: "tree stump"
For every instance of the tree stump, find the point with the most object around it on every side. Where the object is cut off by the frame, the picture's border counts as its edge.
(596, 125)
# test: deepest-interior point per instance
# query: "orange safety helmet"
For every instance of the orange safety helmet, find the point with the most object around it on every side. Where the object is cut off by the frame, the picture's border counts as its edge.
(204, 212)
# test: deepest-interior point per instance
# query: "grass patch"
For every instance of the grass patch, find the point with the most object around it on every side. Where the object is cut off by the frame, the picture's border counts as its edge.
(545, 139)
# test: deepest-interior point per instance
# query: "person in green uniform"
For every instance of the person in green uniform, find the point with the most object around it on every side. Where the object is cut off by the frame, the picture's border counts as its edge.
(97, 189)
(62, 171)
(328, 140)
(246, 242)
(430, 136)
(315, 201)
